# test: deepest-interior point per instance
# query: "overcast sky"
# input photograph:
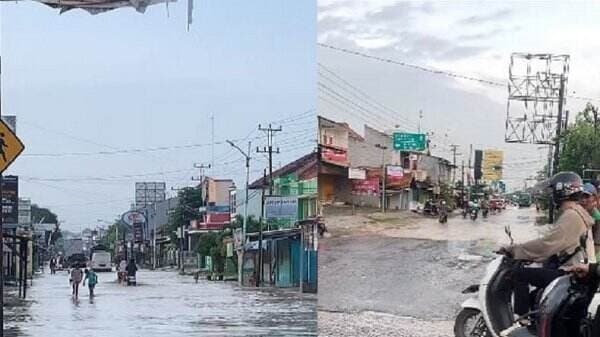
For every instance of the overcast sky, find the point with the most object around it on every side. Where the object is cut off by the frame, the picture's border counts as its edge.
(469, 38)
(85, 85)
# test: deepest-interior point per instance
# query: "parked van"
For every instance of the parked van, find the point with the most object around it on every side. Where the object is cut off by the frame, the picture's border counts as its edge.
(101, 261)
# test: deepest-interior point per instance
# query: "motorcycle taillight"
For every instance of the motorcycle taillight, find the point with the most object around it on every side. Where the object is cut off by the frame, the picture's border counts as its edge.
(545, 326)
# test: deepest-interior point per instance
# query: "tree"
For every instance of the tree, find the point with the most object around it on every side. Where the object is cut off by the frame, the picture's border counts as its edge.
(190, 199)
(40, 214)
(580, 143)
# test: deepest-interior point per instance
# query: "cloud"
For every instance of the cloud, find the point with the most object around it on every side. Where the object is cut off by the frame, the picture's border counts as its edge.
(484, 18)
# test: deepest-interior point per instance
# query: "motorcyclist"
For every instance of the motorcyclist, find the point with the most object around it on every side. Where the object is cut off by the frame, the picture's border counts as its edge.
(559, 248)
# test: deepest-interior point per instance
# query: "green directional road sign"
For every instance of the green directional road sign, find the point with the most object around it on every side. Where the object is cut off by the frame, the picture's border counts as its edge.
(409, 141)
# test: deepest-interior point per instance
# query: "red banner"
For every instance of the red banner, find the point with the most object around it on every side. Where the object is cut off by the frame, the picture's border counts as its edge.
(369, 186)
(335, 156)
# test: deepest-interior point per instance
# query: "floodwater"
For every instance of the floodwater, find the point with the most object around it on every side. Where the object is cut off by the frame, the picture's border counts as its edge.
(163, 304)
(415, 277)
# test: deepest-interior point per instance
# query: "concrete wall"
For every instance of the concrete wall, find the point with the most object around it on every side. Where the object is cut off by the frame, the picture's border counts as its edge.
(365, 154)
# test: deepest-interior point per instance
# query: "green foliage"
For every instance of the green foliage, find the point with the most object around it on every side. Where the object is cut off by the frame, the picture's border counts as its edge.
(190, 199)
(111, 237)
(251, 226)
(211, 244)
(44, 215)
(581, 143)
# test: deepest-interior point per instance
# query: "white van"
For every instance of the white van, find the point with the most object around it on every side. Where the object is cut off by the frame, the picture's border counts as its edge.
(101, 261)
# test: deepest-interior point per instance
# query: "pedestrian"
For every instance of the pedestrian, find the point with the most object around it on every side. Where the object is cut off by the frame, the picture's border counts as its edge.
(122, 270)
(52, 265)
(76, 276)
(196, 276)
(92, 279)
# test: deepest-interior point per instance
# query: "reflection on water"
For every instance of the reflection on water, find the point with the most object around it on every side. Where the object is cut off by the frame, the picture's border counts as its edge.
(164, 304)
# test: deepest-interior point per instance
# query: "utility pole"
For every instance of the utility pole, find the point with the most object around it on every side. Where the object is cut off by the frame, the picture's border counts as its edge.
(201, 179)
(260, 232)
(245, 219)
(270, 131)
(559, 118)
(383, 174)
(463, 183)
(212, 136)
(454, 148)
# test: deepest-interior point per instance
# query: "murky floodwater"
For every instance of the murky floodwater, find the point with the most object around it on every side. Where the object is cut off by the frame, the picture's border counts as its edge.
(163, 304)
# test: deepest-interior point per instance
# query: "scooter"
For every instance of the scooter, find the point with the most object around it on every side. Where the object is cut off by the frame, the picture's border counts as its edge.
(560, 310)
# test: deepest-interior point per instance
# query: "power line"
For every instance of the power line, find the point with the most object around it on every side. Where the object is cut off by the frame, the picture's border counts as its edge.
(366, 97)
(433, 70)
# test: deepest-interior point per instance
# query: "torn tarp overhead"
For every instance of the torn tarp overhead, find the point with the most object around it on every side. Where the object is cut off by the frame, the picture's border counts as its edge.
(100, 6)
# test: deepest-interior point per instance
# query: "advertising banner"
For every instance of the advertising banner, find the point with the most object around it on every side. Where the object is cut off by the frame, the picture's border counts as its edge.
(492, 165)
(334, 156)
(281, 207)
(10, 199)
(394, 174)
(369, 186)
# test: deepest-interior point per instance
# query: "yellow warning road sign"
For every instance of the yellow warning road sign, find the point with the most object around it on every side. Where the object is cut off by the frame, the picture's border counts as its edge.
(10, 146)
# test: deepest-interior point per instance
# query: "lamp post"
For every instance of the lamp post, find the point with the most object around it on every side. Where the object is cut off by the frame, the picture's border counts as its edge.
(383, 174)
(245, 219)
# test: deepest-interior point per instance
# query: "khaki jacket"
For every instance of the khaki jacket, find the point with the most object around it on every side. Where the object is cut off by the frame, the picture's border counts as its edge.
(563, 238)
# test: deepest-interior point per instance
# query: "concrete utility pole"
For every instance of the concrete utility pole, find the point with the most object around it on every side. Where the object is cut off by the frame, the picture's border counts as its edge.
(201, 179)
(245, 219)
(383, 174)
(559, 118)
(270, 131)
(454, 148)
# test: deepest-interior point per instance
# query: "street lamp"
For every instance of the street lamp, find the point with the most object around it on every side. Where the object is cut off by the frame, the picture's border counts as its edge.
(245, 219)
(383, 174)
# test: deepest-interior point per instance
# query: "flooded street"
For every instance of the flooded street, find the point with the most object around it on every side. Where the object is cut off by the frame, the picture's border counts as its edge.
(411, 272)
(163, 304)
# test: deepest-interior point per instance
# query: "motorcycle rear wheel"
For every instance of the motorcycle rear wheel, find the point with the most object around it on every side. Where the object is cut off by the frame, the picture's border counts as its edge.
(470, 323)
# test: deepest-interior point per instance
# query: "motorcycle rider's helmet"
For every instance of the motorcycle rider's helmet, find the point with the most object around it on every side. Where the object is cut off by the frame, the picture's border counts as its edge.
(565, 185)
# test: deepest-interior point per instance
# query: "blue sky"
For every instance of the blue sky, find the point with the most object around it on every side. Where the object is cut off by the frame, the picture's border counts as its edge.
(122, 80)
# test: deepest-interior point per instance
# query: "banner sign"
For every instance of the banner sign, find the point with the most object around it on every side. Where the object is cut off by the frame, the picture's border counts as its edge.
(281, 207)
(354, 173)
(10, 199)
(492, 165)
(334, 156)
(369, 186)
(394, 174)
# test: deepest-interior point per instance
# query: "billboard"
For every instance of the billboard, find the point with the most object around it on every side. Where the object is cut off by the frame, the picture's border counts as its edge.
(409, 141)
(148, 193)
(492, 165)
(394, 174)
(281, 207)
(334, 156)
(24, 211)
(10, 199)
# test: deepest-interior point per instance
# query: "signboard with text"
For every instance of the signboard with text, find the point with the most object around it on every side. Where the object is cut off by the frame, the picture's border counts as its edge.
(334, 156)
(10, 199)
(354, 173)
(281, 207)
(409, 141)
(366, 187)
(394, 174)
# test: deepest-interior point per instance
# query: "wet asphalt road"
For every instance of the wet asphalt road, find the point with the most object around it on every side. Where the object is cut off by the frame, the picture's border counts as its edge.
(408, 277)
(163, 304)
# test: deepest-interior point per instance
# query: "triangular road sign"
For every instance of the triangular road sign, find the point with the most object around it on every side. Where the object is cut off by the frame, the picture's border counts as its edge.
(10, 146)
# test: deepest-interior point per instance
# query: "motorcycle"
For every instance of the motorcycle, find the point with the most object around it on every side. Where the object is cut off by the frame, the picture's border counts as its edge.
(474, 214)
(561, 309)
(443, 217)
